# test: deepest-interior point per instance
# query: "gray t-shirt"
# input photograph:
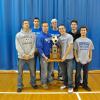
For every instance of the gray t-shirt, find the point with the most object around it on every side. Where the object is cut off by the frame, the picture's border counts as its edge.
(82, 45)
(65, 40)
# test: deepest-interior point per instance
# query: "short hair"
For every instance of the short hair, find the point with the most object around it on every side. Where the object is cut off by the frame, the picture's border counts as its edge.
(62, 25)
(74, 21)
(84, 27)
(24, 21)
(54, 20)
(44, 22)
(36, 18)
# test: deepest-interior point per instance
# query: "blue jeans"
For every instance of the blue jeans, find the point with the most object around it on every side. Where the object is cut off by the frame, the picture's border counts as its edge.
(75, 64)
(85, 74)
(56, 64)
(46, 71)
(31, 67)
(37, 57)
(67, 72)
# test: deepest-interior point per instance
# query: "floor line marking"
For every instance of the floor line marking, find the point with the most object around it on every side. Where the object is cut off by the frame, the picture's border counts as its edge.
(78, 96)
(48, 92)
(34, 93)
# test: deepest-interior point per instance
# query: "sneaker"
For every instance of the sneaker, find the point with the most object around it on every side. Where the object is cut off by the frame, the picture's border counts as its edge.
(34, 86)
(70, 90)
(81, 83)
(60, 78)
(19, 90)
(45, 86)
(52, 83)
(63, 87)
(87, 88)
(52, 74)
(76, 89)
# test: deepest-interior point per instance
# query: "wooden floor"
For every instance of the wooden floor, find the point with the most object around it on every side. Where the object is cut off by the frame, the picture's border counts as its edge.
(8, 87)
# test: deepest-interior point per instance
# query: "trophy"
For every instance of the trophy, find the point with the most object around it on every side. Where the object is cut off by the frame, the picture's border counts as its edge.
(55, 51)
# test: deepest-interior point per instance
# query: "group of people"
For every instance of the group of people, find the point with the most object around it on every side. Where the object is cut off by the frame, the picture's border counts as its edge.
(76, 50)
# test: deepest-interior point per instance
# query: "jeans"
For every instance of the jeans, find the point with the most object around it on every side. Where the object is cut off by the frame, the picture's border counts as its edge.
(67, 72)
(75, 64)
(59, 70)
(85, 74)
(56, 64)
(46, 71)
(31, 67)
(37, 56)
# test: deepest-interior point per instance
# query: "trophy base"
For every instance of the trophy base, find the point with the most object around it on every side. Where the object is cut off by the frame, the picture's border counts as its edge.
(54, 60)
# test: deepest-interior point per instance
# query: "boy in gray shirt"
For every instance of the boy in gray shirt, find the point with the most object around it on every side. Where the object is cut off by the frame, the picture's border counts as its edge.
(66, 43)
(25, 45)
(83, 54)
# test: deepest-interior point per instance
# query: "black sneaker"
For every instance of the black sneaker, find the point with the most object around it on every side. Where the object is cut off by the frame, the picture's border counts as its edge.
(19, 90)
(76, 89)
(52, 74)
(34, 86)
(81, 84)
(87, 88)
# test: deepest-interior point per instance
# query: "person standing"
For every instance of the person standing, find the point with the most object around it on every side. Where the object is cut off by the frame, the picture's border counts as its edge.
(66, 42)
(83, 54)
(76, 34)
(37, 30)
(25, 46)
(54, 32)
(44, 45)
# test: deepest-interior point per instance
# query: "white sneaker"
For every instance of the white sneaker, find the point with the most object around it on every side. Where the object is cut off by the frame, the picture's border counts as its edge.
(70, 90)
(63, 87)
(60, 78)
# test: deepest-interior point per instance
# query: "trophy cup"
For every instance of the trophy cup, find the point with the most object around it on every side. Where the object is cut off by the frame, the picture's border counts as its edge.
(55, 51)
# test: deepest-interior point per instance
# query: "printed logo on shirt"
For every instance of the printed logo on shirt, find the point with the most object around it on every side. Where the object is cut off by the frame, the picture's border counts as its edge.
(27, 39)
(55, 35)
(37, 33)
(48, 39)
(83, 45)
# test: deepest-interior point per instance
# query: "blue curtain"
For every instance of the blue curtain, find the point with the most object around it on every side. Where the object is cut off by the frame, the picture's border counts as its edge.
(12, 12)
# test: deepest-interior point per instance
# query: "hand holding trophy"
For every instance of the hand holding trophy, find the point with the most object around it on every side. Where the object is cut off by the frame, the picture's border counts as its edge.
(55, 51)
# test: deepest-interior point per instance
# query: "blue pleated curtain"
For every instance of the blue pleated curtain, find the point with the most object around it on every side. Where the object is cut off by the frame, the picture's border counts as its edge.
(12, 12)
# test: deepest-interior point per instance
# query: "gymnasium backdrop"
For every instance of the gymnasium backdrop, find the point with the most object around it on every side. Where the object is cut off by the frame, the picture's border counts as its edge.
(12, 12)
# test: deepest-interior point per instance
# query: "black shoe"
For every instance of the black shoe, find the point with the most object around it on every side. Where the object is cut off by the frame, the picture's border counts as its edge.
(76, 89)
(81, 84)
(52, 74)
(87, 88)
(19, 90)
(34, 86)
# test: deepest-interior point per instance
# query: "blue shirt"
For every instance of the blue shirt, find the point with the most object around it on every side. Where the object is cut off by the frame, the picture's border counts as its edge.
(54, 32)
(37, 32)
(44, 44)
